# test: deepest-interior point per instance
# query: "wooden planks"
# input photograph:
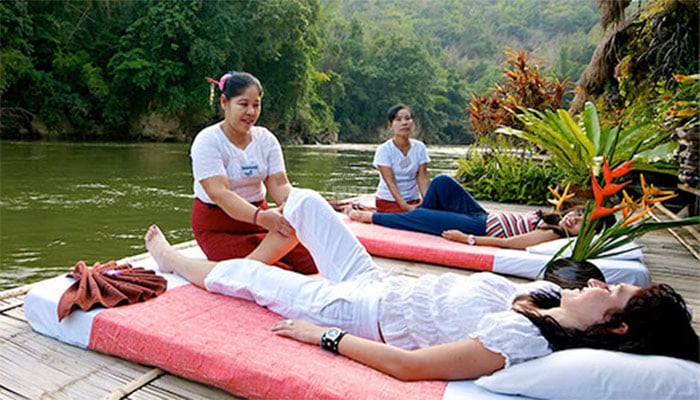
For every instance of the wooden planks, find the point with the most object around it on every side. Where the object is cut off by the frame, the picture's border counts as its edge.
(36, 367)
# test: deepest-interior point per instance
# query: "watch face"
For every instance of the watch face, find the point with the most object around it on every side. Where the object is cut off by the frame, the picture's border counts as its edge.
(332, 333)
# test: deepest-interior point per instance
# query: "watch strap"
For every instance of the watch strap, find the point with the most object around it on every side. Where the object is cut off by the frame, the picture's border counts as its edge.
(330, 339)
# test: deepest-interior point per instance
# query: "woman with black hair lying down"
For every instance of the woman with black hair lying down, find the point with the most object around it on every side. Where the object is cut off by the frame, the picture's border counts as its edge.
(448, 210)
(445, 327)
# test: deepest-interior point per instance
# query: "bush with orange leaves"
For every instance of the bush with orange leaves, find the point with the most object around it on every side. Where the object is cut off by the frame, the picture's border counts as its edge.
(523, 86)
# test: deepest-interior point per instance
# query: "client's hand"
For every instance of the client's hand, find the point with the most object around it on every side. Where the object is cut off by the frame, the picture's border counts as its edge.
(300, 330)
(455, 235)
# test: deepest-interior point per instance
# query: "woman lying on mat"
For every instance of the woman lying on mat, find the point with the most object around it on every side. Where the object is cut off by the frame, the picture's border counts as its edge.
(235, 164)
(445, 327)
(448, 210)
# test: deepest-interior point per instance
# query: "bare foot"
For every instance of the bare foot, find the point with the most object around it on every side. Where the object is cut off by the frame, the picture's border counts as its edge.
(358, 215)
(158, 247)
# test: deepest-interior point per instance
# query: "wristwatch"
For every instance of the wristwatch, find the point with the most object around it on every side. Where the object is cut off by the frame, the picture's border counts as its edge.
(471, 240)
(331, 338)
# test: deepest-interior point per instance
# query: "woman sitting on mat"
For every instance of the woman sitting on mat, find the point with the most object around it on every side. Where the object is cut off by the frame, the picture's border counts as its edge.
(402, 163)
(448, 210)
(445, 327)
(235, 164)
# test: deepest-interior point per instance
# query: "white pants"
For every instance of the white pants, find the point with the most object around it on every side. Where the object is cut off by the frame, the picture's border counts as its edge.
(347, 295)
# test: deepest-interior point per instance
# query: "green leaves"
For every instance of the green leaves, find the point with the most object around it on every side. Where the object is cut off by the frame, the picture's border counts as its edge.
(578, 143)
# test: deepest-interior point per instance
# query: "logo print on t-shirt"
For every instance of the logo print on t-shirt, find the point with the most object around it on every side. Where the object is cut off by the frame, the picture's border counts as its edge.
(249, 170)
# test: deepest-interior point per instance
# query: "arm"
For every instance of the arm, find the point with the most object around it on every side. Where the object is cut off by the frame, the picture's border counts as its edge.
(516, 242)
(422, 179)
(278, 187)
(390, 179)
(464, 359)
(219, 192)
(236, 207)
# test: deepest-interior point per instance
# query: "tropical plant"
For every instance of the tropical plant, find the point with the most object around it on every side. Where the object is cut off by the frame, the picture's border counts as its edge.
(578, 143)
(523, 86)
(498, 171)
(595, 242)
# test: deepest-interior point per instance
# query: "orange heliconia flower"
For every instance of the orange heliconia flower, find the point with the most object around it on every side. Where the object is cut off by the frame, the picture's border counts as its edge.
(601, 193)
(560, 198)
(618, 172)
(651, 193)
(636, 217)
(599, 212)
(629, 206)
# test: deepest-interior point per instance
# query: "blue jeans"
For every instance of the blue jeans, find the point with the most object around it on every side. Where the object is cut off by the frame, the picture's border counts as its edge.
(446, 206)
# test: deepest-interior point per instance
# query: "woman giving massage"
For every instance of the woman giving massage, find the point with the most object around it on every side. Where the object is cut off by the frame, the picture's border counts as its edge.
(449, 210)
(445, 327)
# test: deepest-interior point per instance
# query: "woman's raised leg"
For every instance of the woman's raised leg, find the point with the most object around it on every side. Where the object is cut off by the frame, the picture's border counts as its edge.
(338, 255)
(170, 260)
(446, 194)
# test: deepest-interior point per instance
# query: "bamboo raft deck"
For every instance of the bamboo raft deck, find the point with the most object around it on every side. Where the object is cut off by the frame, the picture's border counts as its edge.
(33, 366)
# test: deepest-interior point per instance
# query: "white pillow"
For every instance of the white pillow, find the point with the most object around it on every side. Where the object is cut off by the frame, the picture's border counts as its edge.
(598, 374)
(551, 247)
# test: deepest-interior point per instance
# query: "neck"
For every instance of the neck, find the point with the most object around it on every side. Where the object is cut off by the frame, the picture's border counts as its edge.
(402, 142)
(239, 139)
(564, 319)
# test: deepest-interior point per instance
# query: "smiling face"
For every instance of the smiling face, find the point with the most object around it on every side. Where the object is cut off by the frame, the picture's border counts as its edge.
(402, 123)
(571, 221)
(593, 304)
(242, 111)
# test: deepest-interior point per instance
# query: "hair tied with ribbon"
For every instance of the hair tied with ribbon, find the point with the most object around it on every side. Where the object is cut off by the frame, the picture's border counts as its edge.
(221, 83)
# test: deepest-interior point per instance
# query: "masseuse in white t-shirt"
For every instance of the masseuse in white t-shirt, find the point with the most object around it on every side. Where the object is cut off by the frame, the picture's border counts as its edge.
(402, 163)
(235, 165)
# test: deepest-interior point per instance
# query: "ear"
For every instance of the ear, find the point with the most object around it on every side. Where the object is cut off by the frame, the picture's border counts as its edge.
(222, 101)
(621, 329)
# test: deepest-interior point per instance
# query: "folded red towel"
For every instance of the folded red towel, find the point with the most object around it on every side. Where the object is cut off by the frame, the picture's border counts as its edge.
(109, 285)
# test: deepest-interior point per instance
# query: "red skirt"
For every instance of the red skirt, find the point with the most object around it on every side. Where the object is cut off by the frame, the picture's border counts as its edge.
(221, 238)
(387, 206)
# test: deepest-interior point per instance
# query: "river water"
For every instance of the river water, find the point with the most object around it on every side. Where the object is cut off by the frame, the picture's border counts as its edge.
(64, 202)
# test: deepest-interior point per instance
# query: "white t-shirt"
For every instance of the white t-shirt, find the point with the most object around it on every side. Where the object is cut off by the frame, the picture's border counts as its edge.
(213, 155)
(405, 168)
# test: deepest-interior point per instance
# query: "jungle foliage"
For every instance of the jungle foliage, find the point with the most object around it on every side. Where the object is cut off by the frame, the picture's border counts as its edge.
(134, 69)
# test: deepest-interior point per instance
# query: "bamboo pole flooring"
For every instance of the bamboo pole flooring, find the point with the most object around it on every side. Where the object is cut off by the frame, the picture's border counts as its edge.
(36, 367)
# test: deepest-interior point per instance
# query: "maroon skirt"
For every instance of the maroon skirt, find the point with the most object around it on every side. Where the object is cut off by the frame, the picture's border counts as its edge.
(221, 238)
(387, 206)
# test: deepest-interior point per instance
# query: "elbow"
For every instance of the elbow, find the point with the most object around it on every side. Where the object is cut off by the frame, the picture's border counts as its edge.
(407, 368)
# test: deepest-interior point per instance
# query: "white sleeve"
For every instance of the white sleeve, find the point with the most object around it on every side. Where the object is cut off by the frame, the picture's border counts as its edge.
(513, 336)
(382, 156)
(424, 158)
(275, 157)
(207, 159)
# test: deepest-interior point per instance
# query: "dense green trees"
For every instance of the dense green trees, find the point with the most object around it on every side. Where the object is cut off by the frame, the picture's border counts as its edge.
(134, 69)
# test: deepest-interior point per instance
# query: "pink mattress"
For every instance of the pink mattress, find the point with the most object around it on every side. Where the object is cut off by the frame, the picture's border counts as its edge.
(413, 246)
(227, 343)
(217, 340)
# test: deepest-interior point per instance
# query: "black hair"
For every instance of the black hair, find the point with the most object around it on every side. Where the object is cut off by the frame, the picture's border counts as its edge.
(552, 219)
(238, 82)
(391, 114)
(657, 318)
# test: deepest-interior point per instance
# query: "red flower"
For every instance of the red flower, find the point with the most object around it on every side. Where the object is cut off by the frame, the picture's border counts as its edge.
(600, 212)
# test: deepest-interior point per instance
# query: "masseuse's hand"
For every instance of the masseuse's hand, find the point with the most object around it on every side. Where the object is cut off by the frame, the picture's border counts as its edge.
(273, 220)
(298, 329)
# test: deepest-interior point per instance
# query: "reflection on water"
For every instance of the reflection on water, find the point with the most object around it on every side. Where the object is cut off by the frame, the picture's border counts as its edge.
(63, 202)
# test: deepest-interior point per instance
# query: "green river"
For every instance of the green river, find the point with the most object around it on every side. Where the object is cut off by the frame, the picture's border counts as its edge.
(64, 202)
